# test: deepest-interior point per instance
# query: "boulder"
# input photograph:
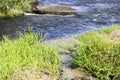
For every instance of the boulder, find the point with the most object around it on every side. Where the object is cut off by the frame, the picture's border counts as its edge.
(57, 10)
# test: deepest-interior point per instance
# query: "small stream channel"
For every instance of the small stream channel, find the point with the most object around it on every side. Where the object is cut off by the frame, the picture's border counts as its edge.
(91, 15)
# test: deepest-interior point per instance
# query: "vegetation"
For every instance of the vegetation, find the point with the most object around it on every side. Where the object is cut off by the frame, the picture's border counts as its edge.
(99, 53)
(11, 8)
(29, 58)
(27, 55)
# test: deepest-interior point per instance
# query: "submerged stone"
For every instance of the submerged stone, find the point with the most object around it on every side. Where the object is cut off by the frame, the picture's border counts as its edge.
(57, 10)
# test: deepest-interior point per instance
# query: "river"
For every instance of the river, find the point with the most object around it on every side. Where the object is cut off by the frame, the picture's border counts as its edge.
(90, 16)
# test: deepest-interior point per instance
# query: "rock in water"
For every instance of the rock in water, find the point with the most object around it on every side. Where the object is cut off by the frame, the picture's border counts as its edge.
(57, 10)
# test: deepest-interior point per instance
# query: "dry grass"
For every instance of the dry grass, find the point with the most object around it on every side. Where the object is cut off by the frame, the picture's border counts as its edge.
(115, 35)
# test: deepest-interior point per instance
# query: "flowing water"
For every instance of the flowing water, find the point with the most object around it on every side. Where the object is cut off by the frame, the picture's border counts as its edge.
(90, 16)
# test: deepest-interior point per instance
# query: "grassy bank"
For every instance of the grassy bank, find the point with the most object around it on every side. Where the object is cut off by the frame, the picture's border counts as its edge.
(99, 54)
(27, 58)
(11, 8)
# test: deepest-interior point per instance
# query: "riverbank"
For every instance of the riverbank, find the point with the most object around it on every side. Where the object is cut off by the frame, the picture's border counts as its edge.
(12, 8)
(30, 58)
(26, 58)
(99, 54)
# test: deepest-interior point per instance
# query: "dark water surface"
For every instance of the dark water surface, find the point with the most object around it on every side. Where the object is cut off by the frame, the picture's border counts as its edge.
(90, 16)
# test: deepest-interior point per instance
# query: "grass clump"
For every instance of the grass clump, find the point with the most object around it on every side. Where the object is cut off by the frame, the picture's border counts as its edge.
(11, 8)
(27, 54)
(99, 54)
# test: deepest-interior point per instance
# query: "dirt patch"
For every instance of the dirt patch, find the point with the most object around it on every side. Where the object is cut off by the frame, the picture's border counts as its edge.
(24, 74)
(115, 35)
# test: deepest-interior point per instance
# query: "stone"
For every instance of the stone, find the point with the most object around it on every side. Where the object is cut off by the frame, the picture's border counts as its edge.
(57, 10)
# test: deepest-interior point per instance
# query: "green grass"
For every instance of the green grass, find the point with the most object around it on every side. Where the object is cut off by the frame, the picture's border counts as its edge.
(27, 54)
(11, 8)
(99, 54)
(109, 30)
